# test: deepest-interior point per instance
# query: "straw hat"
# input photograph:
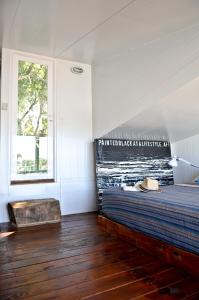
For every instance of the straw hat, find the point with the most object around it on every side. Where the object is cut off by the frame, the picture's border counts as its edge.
(148, 184)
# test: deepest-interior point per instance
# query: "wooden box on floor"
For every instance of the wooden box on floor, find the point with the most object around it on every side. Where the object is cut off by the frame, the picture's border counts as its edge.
(34, 212)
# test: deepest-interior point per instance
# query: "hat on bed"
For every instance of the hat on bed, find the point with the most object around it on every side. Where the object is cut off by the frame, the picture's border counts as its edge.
(149, 184)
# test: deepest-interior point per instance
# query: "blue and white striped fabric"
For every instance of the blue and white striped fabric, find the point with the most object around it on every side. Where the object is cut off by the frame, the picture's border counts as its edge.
(171, 215)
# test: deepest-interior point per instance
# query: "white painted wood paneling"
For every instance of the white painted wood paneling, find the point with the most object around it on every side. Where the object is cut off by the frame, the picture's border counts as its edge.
(74, 186)
(173, 118)
(50, 27)
(75, 153)
(139, 24)
(77, 195)
(8, 11)
(90, 30)
(187, 149)
(130, 84)
(142, 51)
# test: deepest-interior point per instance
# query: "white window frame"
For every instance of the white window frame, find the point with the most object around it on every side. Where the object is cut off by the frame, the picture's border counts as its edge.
(14, 177)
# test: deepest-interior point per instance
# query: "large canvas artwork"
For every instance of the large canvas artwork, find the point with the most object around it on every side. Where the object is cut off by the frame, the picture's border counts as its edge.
(124, 162)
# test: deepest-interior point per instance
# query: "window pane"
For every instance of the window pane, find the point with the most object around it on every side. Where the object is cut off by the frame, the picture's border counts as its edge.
(32, 119)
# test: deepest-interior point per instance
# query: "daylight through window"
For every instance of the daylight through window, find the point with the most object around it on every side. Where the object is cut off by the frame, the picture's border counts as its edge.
(32, 138)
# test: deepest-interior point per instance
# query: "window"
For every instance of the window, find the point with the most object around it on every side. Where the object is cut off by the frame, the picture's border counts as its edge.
(32, 121)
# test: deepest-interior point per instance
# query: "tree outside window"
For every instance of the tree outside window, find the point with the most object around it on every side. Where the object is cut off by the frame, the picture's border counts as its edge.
(32, 118)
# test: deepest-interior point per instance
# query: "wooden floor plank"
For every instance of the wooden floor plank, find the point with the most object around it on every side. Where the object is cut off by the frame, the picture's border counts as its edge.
(195, 296)
(71, 284)
(186, 289)
(21, 265)
(77, 260)
(39, 256)
(16, 237)
(52, 240)
(75, 264)
(143, 286)
(90, 287)
(68, 244)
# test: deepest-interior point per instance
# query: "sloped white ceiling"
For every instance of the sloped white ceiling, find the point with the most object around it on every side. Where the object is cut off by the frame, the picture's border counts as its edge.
(124, 87)
(135, 26)
(141, 50)
(174, 118)
(50, 27)
(91, 30)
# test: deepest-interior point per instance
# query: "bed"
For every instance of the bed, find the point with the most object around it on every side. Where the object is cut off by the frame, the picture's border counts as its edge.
(171, 215)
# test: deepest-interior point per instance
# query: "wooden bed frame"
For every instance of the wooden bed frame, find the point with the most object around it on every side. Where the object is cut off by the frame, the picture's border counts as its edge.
(171, 254)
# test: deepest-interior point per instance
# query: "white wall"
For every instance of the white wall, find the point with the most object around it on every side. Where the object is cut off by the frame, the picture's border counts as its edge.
(74, 186)
(189, 150)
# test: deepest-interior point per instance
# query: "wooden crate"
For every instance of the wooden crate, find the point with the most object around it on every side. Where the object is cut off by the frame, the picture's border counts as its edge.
(34, 212)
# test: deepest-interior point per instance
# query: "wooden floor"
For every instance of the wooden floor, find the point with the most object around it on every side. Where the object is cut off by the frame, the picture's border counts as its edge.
(79, 261)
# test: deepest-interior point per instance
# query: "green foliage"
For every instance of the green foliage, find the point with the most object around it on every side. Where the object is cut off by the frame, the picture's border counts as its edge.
(32, 99)
(28, 166)
(32, 117)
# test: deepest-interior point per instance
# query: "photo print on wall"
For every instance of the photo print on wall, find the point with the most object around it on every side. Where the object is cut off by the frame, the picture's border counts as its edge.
(125, 162)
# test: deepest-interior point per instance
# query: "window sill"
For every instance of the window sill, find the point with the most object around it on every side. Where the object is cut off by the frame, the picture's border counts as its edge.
(33, 181)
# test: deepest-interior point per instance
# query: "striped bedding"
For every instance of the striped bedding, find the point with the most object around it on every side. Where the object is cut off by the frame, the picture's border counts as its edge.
(171, 215)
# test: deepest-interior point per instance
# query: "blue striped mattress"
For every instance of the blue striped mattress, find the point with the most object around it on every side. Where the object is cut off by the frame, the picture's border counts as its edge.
(171, 215)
